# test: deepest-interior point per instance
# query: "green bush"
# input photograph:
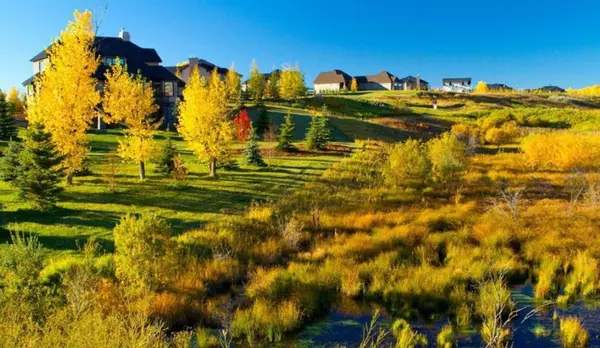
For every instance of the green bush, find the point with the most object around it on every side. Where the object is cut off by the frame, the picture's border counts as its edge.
(407, 163)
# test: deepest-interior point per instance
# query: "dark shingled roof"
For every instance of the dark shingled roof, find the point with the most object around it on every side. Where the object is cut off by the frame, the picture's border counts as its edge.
(135, 56)
(382, 77)
(334, 76)
(412, 79)
(113, 47)
(456, 79)
(552, 89)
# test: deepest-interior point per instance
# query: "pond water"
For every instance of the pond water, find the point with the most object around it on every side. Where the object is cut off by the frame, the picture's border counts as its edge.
(343, 326)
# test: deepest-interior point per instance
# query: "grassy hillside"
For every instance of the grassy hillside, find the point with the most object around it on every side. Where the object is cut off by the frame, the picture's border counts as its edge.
(88, 208)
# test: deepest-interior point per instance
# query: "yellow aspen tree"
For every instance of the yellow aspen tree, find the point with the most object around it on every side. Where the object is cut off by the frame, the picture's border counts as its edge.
(129, 99)
(482, 87)
(291, 83)
(233, 85)
(16, 104)
(66, 93)
(204, 119)
(354, 85)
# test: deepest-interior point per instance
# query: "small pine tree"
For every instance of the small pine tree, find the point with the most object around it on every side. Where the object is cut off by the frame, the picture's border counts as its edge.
(10, 163)
(8, 129)
(166, 159)
(318, 134)
(251, 154)
(39, 172)
(286, 131)
(262, 122)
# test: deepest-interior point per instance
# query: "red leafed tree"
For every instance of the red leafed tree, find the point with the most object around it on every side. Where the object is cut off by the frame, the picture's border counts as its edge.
(242, 125)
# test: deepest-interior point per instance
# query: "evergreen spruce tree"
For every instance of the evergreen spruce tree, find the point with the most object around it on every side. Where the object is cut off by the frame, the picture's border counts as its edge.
(286, 131)
(251, 154)
(10, 164)
(8, 128)
(318, 134)
(262, 122)
(165, 163)
(40, 173)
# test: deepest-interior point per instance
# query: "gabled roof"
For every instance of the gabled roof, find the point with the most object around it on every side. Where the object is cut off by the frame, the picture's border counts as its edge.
(412, 79)
(553, 89)
(334, 76)
(382, 77)
(113, 47)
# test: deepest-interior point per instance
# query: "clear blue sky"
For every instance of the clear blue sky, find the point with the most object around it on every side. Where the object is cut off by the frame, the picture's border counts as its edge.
(522, 43)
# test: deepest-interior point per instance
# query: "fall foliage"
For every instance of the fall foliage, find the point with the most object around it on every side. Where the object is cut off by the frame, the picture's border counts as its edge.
(481, 87)
(69, 75)
(204, 119)
(354, 85)
(243, 125)
(233, 84)
(130, 100)
(291, 83)
(256, 83)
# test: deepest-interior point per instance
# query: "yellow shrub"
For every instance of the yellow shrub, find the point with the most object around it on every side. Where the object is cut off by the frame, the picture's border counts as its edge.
(562, 150)
(572, 333)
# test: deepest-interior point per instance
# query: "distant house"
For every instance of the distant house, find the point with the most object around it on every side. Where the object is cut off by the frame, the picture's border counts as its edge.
(551, 89)
(266, 77)
(332, 82)
(120, 50)
(499, 87)
(410, 83)
(338, 80)
(461, 85)
(205, 68)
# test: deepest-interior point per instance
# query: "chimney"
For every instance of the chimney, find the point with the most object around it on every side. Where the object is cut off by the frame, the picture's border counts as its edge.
(418, 82)
(193, 61)
(124, 35)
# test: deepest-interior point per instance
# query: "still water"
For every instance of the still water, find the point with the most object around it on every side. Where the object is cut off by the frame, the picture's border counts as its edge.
(344, 324)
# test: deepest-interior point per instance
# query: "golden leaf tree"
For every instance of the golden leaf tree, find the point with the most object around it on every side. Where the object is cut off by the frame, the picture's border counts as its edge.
(233, 85)
(129, 99)
(482, 87)
(66, 92)
(291, 83)
(204, 120)
(354, 85)
(16, 104)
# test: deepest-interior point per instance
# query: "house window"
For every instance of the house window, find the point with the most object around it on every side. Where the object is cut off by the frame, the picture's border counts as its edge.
(114, 60)
(168, 90)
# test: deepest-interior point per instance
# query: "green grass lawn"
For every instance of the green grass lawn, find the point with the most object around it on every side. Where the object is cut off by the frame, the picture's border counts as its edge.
(88, 208)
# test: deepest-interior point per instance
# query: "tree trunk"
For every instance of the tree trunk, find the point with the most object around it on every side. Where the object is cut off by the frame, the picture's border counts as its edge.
(142, 170)
(69, 179)
(100, 123)
(212, 168)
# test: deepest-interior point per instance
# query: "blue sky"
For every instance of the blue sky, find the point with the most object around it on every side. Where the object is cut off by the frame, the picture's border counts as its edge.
(522, 43)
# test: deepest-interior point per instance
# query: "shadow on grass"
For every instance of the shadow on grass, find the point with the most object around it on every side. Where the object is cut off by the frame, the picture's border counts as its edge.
(61, 243)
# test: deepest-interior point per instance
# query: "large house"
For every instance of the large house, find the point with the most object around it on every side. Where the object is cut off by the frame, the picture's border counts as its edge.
(146, 61)
(337, 80)
(205, 68)
(461, 85)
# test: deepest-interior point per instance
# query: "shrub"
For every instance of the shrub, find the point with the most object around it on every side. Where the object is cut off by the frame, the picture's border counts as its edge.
(144, 252)
(265, 320)
(584, 278)
(572, 333)
(448, 158)
(562, 151)
(546, 285)
(445, 338)
(407, 163)
(405, 336)
(505, 134)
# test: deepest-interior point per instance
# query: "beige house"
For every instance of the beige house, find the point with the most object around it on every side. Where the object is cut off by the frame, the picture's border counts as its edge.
(205, 68)
(332, 82)
(337, 80)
